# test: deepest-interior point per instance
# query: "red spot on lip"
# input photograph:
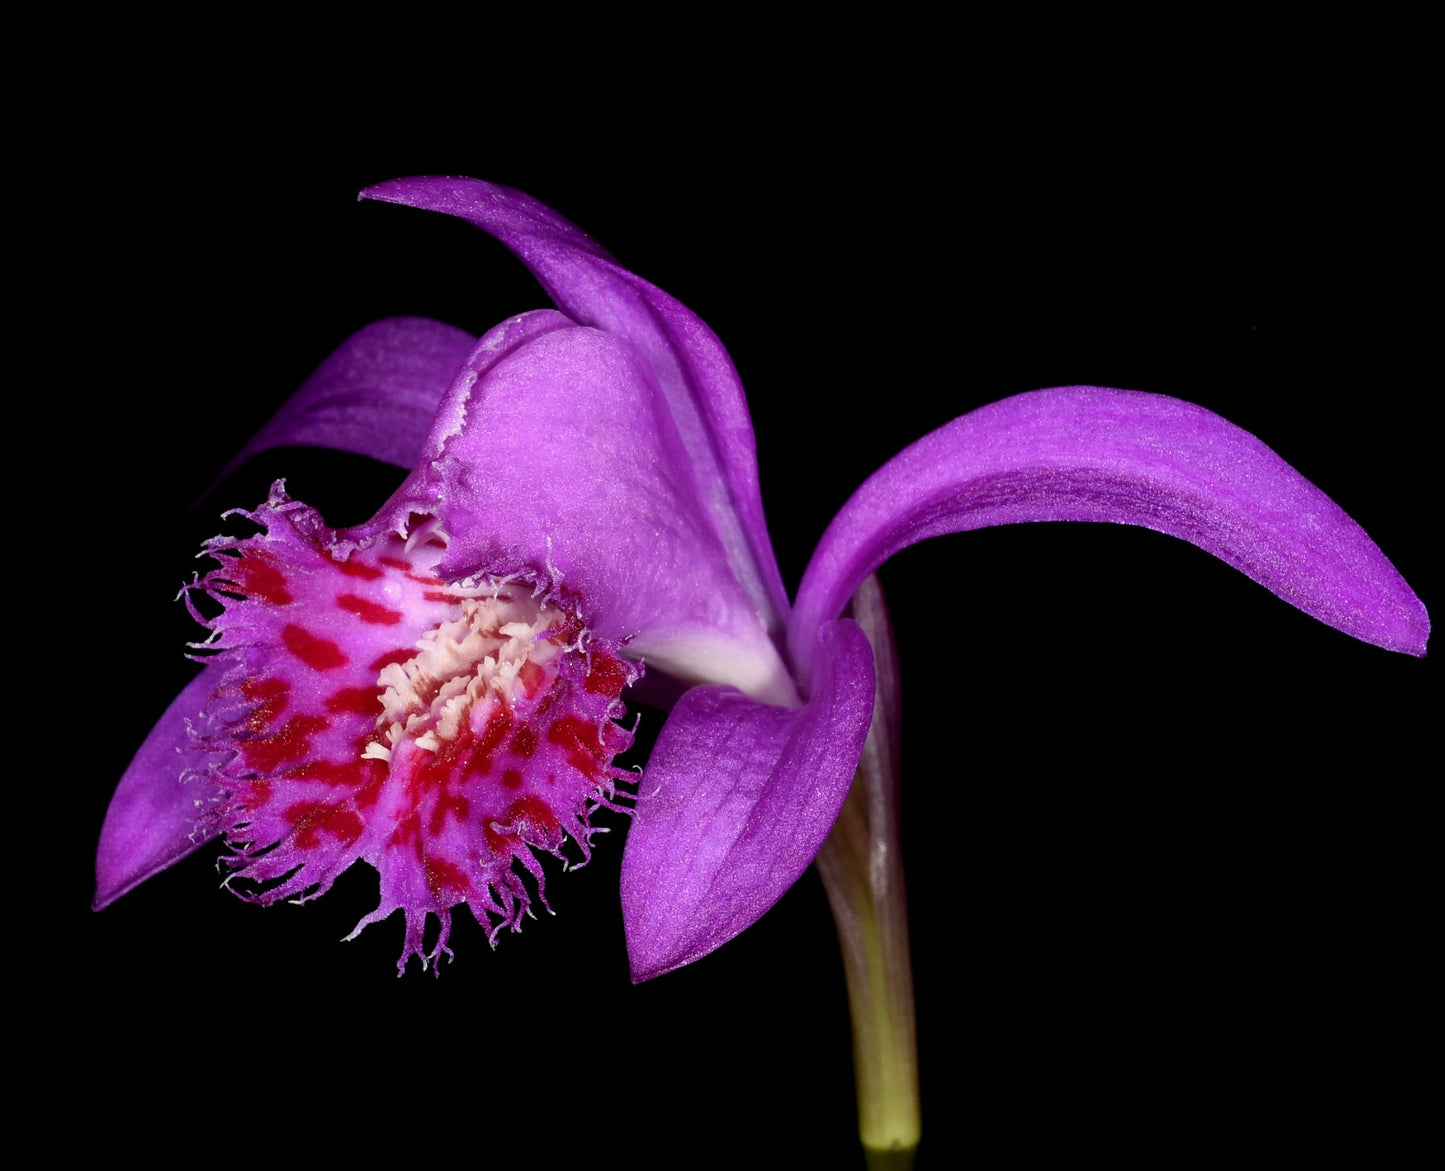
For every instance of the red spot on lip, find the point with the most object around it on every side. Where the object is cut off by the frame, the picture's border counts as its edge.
(363, 777)
(607, 677)
(499, 844)
(270, 696)
(396, 563)
(290, 742)
(360, 569)
(400, 655)
(524, 743)
(321, 654)
(534, 821)
(257, 576)
(439, 596)
(499, 726)
(512, 779)
(372, 612)
(256, 797)
(448, 803)
(443, 875)
(356, 701)
(312, 817)
(255, 688)
(583, 742)
(373, 777)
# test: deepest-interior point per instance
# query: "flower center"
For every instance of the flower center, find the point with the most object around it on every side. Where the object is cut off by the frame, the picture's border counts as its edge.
(467, 672)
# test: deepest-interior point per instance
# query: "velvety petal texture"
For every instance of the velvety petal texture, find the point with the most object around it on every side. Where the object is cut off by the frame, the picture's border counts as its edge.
(374, 396)
(556, 449)
(1125, 457)
(736, 802)
(690, 366)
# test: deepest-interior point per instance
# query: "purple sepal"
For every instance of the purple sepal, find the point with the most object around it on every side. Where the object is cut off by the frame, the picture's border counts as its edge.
(1125, 457)
(555, 448)
(695, 374)
(737, 800)
(375, 395)
(152, 814)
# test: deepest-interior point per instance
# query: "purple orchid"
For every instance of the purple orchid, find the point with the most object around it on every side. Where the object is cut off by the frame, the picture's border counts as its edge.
(436, 691)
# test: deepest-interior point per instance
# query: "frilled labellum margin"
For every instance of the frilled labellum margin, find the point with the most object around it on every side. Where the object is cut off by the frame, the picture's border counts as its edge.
(441, 731)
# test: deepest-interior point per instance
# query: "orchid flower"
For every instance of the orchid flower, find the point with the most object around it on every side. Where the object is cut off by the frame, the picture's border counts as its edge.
(437, 691)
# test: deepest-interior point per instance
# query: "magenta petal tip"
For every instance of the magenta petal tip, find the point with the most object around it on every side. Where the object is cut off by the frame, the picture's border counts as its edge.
(152, 820)
(1088, 453)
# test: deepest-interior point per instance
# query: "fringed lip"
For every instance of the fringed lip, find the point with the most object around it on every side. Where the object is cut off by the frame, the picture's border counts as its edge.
(365, 709)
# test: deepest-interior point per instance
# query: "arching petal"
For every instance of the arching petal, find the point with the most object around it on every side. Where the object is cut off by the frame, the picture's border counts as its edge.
(555, 449)
(1086, 453)
(152, 814)
(738, 798)
(691, 367)
(375, 395)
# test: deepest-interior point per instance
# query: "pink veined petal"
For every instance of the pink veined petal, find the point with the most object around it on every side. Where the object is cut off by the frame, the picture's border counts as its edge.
(737, 800)
(375, 395)
(152, 814)
(692, 369)
(555, 448)
(1125, 457)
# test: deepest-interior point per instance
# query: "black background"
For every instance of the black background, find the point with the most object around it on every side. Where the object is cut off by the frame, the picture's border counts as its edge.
(1165, 836)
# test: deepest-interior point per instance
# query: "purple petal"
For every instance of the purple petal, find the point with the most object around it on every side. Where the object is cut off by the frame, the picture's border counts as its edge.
(1085, 453)
(737, 800)
(152, 814)
(374, 396)
(691, 367)
(555, 451)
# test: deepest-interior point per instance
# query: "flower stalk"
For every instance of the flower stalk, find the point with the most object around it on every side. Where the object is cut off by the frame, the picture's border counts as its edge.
(861, 864)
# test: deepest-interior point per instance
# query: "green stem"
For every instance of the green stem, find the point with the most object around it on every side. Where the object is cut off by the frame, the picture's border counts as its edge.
(862, 869)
